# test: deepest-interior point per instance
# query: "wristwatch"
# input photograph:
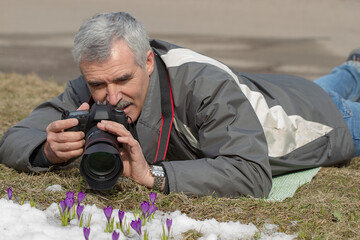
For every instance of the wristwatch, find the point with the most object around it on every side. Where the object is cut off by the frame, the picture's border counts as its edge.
(159, 175)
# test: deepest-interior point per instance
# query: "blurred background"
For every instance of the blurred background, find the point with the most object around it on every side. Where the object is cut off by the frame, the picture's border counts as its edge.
(300, 37)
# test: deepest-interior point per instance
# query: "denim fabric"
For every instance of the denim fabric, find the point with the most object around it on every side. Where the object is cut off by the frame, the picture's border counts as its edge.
(343, 86)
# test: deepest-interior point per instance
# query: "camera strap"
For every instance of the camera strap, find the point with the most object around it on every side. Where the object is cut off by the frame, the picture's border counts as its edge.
(167, 110)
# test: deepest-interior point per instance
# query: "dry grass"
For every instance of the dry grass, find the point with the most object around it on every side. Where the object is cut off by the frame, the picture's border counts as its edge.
(327, 208)
(20, 95)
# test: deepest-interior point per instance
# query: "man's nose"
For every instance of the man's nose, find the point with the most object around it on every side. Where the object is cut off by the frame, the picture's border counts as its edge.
(113, 95)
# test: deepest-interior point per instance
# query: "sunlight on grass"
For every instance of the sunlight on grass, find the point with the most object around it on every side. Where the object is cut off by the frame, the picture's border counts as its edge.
(20, 95)
(327, 208)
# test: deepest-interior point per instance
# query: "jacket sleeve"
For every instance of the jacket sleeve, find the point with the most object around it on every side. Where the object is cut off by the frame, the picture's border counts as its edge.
(235, 157)
(20, 141)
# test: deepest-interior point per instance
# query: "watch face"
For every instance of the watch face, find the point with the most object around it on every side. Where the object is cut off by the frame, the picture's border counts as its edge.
(157, 171)
(157, 168)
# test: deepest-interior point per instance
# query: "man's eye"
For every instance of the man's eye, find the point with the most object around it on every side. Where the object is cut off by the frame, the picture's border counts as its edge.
(95, 85)
(121, 80)
(124, 78)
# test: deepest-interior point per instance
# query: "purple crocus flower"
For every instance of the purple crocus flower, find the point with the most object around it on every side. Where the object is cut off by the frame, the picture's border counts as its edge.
(69, 202)
(152, 197)
(80, 197)
(136, 225)
(63, 206)
(69, 194)
(121, 216)
(79, 210)
(151, 210)
(168, 224)
(144, 207)
(9, 193)
(115, 235)
(86, 233)
(108, 211)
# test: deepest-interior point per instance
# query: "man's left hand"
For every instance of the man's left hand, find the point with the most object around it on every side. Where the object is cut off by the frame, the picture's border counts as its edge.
(135, 164)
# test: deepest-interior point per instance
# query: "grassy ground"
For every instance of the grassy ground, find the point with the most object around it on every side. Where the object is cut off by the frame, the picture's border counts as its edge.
(327, 208)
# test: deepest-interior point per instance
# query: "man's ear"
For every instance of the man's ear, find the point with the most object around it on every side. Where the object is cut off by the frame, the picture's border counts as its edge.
(150, 62)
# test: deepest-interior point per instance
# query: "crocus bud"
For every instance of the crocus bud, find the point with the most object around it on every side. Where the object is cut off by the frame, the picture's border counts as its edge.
(86, 233)
(9, 193)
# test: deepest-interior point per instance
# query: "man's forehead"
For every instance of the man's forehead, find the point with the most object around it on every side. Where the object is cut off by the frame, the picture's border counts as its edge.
(110, 72)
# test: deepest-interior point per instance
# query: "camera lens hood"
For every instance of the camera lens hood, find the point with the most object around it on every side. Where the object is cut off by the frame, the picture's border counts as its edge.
(101, 146)
(101, 178)
(101, 164)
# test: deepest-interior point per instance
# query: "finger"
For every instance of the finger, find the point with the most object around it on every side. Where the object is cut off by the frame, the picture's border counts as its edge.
(69, 146)
(84, 107)
(62, 152)
(114, 128)
(61, 125)
(129, 140)
(131, 146)
(69, 154)
(65, 137)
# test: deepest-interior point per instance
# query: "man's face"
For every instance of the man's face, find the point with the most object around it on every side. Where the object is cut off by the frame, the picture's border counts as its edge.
(120, 80)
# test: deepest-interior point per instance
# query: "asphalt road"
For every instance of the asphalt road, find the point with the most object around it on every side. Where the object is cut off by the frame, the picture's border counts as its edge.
(306, 38)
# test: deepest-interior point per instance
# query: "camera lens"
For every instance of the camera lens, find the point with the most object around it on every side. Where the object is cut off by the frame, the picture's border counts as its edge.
(101, 164)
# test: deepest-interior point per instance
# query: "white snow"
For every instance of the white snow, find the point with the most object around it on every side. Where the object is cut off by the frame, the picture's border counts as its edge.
(27, 223)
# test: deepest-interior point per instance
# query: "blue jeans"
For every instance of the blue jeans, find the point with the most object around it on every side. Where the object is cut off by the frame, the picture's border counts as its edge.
(343, 86)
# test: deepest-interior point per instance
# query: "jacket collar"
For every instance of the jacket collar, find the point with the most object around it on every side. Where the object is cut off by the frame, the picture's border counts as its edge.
(149, 123)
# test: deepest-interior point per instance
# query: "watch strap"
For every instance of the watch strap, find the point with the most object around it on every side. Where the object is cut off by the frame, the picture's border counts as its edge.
(159, 175)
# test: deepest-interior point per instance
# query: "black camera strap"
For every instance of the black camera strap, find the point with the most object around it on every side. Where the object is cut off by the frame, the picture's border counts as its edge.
(167, 110)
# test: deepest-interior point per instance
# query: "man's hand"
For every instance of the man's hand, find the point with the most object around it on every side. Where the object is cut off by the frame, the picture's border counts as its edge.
(135, 165)
(61, 146)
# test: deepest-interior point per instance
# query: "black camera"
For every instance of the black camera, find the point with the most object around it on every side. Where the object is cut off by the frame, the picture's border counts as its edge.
(101, 164)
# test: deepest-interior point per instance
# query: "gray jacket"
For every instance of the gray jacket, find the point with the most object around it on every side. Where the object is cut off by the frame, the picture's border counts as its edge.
(231, 133)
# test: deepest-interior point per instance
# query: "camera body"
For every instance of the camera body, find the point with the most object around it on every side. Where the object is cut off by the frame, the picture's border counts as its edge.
(99, 111)
(101, 164)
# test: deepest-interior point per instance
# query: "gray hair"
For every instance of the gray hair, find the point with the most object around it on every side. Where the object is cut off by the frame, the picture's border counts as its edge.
(94, 40)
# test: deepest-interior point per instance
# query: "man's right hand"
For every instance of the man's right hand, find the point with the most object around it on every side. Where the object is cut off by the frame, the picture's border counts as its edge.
(61, 146)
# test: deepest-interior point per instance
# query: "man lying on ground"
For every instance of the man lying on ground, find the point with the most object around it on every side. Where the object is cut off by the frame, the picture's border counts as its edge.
(208, 129)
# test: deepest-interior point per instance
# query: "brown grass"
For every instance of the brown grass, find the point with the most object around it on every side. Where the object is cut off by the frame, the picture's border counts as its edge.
(20, 95)
(327, 208)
